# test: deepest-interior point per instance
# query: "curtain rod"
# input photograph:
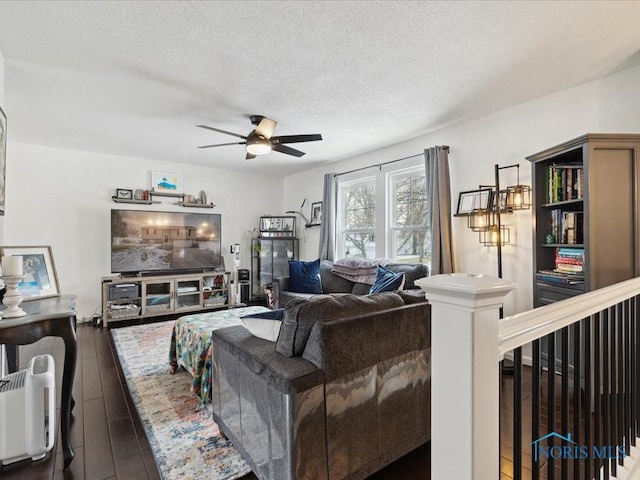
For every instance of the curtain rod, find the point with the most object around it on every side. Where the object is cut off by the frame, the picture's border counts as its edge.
(384, 163)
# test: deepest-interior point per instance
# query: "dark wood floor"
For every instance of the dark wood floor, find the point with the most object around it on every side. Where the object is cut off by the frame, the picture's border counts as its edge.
(108, 437)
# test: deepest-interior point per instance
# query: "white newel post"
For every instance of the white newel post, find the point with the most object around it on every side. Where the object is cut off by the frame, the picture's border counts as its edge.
(465, 374)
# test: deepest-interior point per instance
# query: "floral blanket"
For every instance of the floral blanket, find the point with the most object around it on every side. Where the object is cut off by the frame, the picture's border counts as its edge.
(191, 344)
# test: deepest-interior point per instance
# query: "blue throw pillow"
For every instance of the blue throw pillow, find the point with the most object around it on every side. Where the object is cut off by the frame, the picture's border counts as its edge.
(304, 277)
(387, 281)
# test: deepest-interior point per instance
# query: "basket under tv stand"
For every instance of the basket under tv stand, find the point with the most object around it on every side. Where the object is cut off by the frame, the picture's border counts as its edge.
(141, 297)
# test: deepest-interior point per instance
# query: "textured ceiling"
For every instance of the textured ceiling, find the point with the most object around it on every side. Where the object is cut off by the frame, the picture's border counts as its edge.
(134, 78)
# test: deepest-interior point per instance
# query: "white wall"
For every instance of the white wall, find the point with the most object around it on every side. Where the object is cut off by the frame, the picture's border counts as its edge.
(2, 354)
(505, 138)
(62, 198)
(4, 108)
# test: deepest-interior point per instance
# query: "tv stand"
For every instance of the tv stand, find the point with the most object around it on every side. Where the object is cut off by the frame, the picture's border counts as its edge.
(140, 297)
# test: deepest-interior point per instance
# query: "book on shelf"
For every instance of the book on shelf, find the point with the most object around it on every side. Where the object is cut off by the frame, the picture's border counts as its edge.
(572, 227)
(568, 252)
(570, 260)
(563, 267)
(564, 182)
(559, 279)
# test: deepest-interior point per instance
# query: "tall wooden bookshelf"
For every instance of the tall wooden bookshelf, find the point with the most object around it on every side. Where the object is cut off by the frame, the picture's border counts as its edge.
(585, 204)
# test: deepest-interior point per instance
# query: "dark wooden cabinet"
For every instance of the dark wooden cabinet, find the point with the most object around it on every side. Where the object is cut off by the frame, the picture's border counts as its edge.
(590, 185)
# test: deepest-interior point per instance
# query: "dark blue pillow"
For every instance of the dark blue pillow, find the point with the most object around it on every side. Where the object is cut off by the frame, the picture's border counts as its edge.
(387, 281)
(304, 277)
(268, 315)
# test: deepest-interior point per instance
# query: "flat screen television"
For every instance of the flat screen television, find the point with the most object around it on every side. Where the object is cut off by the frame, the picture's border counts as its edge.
(145, 241)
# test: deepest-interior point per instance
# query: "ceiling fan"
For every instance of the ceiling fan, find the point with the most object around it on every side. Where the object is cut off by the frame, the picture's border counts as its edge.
(260, 141)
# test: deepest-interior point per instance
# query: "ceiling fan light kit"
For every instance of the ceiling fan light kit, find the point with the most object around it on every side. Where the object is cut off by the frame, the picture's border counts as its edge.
(258, 146)
(260, 140)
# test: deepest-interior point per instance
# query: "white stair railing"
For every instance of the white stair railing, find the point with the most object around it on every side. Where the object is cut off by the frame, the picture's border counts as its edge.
(598, 351)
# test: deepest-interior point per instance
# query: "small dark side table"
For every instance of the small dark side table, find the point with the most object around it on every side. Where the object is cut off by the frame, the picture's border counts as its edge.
(48, 317)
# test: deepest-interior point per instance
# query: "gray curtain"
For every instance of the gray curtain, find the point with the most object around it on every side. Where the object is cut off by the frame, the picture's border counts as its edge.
(328, 225)
(436, 161)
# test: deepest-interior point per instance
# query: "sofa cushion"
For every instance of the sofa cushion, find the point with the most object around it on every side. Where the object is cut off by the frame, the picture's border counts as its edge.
(412, 296)
(300, 316)
(412, 272)
(387, 281)
(360, 289)
(265, 325)
(331, 283)
(304, 277)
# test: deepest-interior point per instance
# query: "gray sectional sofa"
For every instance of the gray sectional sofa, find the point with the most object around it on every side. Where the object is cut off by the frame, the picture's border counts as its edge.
(343, 392)
(332, 283)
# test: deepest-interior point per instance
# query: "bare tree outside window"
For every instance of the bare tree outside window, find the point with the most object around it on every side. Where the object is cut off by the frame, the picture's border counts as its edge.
(359, 220)
(411, 242)
(404, 235)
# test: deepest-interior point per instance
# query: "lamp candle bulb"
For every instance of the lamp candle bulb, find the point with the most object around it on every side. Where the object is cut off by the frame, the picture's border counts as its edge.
(517, 199)
(12, 266)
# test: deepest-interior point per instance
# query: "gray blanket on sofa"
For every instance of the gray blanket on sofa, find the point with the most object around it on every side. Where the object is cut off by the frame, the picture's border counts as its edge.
(358, 270)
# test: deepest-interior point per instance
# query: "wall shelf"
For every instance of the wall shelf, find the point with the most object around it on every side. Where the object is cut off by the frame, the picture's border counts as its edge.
(195, 205)
(180, 196)
(166, 194)
(133, 200)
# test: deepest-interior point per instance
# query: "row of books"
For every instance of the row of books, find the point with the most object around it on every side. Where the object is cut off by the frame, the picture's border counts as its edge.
(567, 227)
(553, 277)
(569, 268)
(570, 261)
(565, 182)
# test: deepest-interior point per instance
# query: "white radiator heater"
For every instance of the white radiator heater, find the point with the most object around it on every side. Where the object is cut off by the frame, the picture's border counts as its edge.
(27, 411)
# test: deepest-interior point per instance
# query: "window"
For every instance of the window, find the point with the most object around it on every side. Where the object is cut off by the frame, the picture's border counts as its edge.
(358, 218)
(410, 239)
(384, 216)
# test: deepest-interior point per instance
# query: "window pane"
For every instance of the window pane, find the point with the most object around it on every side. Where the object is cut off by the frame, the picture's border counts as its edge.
(412, 246)
(410, 199)
(361, 245)
(359, 206)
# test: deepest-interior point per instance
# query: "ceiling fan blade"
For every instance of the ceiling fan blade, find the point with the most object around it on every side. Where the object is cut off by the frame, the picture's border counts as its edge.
(223, 144)
(297, 138)
(288, 150)
(266, 127)
(222, 131)
(250, 156)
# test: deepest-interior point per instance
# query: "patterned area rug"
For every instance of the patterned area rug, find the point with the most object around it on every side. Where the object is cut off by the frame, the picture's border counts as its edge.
(186, 442)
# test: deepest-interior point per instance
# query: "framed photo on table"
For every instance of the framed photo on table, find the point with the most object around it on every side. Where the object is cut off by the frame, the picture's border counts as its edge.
(40, 276)
(473, 200)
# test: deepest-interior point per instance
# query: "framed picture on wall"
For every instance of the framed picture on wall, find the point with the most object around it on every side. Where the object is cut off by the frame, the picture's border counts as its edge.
(165, 182)
(40, 276)
(3, 158)
(316, 213)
